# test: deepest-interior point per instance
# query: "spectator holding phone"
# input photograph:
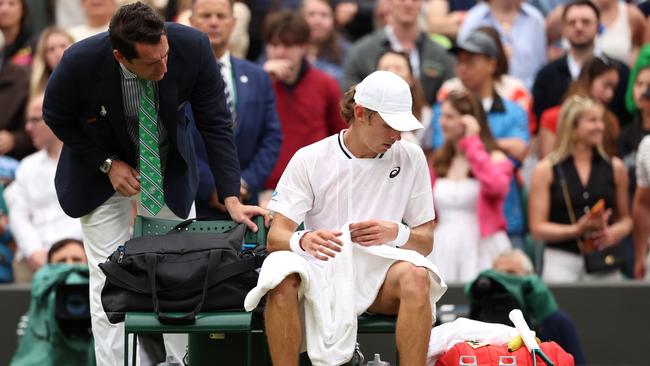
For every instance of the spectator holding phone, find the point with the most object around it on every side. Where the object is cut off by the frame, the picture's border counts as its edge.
(578, 169)
(471, 181)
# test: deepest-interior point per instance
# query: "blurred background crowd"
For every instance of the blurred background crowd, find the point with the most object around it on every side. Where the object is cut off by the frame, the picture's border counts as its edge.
(534, 118)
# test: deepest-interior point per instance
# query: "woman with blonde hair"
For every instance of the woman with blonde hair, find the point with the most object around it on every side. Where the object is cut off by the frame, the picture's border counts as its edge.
(578, 198)
(49, 50)
(471, 179)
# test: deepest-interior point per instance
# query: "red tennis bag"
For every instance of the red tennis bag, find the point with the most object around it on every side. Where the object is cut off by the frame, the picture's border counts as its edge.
(481, 354)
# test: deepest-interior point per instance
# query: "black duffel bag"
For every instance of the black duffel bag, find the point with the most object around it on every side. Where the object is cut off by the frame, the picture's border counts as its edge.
(180, 272)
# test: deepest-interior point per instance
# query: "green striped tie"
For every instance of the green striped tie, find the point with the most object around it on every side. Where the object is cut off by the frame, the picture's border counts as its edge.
(151, 193)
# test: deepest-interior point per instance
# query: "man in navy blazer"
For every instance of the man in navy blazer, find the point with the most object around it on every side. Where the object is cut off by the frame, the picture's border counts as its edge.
(92, 103)
(258, 134)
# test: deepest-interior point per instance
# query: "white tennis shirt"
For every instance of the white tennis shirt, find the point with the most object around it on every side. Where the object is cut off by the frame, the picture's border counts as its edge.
(325, 186)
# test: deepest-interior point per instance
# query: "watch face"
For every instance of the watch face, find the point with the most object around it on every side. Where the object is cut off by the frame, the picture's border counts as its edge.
(106, 166)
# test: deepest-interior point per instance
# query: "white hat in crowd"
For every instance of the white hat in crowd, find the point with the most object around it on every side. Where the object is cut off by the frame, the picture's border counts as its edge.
(389, 95)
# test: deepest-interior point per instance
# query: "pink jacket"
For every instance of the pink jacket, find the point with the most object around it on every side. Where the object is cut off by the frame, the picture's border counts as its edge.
(494, 179)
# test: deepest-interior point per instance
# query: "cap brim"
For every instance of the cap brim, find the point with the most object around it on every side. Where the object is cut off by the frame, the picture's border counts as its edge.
(401, 121)
(471, 49)
(467, 48)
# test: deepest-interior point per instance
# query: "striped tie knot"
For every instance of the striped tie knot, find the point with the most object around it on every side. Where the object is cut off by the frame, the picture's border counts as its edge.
(230, 102)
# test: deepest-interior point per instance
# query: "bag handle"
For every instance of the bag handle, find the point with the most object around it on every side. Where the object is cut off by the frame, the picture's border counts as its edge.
(568, 203)
(151, 260)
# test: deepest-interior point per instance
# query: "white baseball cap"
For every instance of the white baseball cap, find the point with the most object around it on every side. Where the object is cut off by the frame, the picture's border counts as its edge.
(389, 95)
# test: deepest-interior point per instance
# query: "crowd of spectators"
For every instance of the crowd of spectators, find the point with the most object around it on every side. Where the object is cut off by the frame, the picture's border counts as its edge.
(495, 83)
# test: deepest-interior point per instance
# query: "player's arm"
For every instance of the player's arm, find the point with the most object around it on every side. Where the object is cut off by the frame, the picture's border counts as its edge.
(421, 238)
(280, 233)
(376, 232)
(322, 244)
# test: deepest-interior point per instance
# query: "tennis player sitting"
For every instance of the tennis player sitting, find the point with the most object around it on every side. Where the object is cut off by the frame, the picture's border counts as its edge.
(353, 191)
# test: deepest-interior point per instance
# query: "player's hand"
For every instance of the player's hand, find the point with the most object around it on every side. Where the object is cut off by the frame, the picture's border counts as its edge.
(322, 244)
(373, 232)
(124, 178)
(37, 259)
(242, 213)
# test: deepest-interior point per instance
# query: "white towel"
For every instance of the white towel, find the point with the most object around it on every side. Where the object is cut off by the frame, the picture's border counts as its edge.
(334, 293)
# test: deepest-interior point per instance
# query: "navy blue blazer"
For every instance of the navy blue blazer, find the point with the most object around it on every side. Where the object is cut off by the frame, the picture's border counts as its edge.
(83, 106)
(258, 134)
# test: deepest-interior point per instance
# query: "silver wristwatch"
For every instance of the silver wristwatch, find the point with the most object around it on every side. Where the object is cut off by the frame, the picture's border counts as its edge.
(105, 167)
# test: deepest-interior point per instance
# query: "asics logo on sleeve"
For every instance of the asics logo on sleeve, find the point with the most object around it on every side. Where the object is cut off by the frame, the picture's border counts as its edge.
(394, 172)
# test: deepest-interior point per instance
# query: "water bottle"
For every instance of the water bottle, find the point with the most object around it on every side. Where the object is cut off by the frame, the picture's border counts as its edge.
(377, 361)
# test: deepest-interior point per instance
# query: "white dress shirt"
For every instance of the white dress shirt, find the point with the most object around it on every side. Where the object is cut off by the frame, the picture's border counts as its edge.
(36, 218)
(395, 45)
(227, 73)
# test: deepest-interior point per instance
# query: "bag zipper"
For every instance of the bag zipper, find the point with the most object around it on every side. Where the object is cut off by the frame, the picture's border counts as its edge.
(121, 250)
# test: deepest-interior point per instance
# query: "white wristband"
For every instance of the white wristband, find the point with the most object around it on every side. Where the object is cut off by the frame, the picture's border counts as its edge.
(403, 234)
(294, 242)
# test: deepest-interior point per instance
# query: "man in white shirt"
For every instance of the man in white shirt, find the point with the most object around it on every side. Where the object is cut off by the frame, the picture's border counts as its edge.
(35, 215)
(365, 176)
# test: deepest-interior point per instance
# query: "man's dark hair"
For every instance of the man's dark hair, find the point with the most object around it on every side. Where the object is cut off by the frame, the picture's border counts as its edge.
(286, 27)
(60, 244)
(580, 3)
(133, 23)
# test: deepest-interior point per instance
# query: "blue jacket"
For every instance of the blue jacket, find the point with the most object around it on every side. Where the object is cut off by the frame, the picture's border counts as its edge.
(258, 135)
(83, 106)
